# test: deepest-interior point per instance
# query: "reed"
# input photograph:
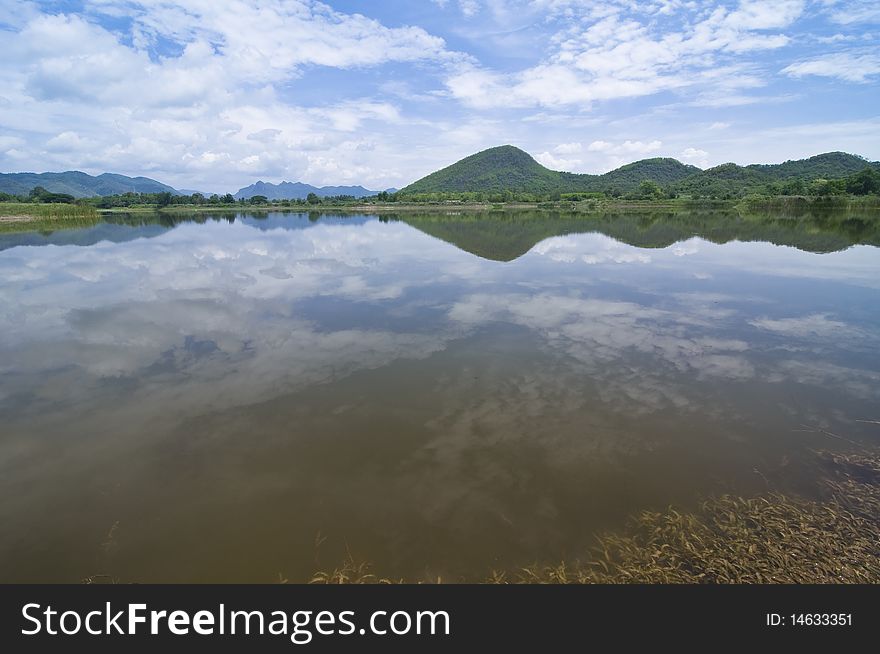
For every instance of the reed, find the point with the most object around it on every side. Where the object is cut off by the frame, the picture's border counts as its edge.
(34, 217)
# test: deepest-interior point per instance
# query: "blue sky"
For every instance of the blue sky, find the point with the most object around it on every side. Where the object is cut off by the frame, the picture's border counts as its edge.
(214, 95)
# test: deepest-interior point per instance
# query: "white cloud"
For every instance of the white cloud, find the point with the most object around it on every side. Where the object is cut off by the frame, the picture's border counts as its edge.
(207, 95)
(212, 111)
(469, 7)
(568, 148)
(268, 39)
(66, 141)
(553, 162)
(693, 153)
(849, 67)
(606, 56)
(695, 156)
(849, 12)
(626, 147)
(606, 155)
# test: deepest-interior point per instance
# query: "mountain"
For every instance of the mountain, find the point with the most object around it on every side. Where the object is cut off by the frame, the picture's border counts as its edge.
(732, 180)
(662, 170)
(496, 169)
(79, 184)
(299, 191)
(831, 165)
(507, 168)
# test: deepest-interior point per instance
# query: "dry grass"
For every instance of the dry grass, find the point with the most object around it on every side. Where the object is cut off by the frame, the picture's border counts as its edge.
(769, 539)
(351, 572)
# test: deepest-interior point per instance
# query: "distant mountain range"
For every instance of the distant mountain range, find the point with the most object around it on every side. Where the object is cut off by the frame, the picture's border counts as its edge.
(507, 168)
(83, 185)
(300, 191)
(504, 168)
(80, 185)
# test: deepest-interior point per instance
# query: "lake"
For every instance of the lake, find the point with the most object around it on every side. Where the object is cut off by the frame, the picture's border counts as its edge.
(238, 397)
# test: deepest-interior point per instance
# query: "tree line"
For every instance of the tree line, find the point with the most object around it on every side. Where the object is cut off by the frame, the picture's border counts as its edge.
(724, 185)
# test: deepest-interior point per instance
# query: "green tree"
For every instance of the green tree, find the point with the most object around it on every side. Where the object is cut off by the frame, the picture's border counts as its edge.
(37, 193)
(311, 198)
(794, 186)
(864, 182)
(650, 189)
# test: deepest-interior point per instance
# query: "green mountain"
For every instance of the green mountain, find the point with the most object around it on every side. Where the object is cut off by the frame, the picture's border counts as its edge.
(791, 177)
(663, 170)
(726, 179)
(80, 185)
(831, 165)
(509, 169)
(496, 169)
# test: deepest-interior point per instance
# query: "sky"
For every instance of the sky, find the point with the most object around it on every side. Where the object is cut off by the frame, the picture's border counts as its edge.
(214, 95)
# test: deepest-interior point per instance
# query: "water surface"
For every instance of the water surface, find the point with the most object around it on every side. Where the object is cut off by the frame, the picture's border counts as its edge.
(234, 397)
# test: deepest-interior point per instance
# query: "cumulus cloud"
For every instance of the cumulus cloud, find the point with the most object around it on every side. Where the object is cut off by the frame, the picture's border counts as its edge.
(568, 148)
(105, 99)
(211, 95)
(605, 155)
(554, 162)
(695, 156)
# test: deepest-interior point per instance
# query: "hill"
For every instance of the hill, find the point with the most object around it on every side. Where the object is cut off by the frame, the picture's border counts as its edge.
(791, 177)
(79, 184)
(663, 170)
(299, 191)
(507, 168)
(504, 168)
(831, 165)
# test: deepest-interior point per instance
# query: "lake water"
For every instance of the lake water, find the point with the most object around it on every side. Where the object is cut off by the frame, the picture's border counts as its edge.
(232, 398)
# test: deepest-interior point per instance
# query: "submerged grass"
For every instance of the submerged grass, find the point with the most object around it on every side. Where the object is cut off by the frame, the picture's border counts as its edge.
(769, 539)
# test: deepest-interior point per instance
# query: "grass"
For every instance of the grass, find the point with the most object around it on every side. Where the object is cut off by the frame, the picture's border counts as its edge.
(768, 539)
(27, 217)
(589, 206)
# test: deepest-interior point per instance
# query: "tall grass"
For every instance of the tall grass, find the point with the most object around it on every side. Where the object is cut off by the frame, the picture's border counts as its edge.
(28, 217)
(55, 210)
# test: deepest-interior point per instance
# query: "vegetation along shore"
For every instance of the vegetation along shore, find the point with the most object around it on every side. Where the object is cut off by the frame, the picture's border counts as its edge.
(501, 177)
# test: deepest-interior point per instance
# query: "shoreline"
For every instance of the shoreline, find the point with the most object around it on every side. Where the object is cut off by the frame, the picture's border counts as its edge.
(19, 217)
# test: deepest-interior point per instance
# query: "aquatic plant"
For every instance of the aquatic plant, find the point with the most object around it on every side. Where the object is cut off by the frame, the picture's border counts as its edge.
(773, 538)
